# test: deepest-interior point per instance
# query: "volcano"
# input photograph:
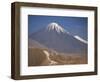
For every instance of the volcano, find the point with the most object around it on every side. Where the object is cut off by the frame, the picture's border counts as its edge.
(55, 37)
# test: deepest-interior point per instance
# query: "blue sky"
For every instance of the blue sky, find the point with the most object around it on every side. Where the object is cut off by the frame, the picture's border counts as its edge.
(74, 25)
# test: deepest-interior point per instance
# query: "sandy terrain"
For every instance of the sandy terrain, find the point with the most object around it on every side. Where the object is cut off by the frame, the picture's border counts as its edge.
(44, 57)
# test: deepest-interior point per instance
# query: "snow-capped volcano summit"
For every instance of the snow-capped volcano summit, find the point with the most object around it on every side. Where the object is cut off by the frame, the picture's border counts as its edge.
(55, 37)
(55, 26)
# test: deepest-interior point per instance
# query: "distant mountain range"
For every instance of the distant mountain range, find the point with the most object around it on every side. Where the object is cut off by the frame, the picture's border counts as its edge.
(57, 38)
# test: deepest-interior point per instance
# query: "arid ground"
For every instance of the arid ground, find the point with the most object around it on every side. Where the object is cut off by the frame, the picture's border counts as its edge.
(45, 57)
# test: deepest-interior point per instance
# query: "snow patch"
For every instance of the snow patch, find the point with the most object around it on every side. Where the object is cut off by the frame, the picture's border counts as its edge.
(80, 39)
(55, 26)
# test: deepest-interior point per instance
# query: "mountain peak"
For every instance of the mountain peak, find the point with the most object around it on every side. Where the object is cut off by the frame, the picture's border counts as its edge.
(55, 26)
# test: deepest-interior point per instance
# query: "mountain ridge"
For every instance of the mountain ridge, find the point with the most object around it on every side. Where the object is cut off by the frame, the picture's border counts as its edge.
(56, 37)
